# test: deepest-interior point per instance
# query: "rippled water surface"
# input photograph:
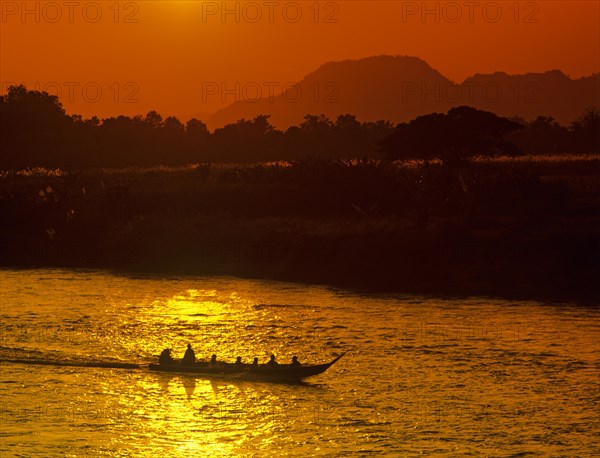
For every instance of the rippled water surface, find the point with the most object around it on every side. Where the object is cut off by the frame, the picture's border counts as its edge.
(423, 376)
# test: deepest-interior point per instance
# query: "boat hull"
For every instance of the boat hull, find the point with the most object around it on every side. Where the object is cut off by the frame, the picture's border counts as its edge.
(283, 372)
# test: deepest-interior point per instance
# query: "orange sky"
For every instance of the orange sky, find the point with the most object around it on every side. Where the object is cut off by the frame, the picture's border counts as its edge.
(158, 54)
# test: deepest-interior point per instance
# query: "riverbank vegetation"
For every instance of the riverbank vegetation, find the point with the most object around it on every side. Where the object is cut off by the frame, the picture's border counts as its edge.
(522, 227)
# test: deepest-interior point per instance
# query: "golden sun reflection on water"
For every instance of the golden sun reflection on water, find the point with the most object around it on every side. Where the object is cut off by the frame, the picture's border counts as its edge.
(215, 417)
(228, 324)
(210, 417)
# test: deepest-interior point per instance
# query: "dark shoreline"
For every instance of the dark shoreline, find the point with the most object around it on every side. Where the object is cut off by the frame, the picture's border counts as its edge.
(510, 229)
(589, 297)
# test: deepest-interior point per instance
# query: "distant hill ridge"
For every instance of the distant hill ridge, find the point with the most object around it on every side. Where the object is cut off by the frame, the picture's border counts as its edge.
(399, 88)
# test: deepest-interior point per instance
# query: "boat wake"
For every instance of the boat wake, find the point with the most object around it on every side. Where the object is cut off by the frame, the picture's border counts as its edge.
(32, 357)
(49, 362)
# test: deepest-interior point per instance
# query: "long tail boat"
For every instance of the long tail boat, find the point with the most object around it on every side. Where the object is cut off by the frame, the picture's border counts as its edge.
(266, 372)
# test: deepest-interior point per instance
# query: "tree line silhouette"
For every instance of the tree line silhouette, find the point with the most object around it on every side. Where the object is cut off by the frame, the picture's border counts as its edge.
(37, 131)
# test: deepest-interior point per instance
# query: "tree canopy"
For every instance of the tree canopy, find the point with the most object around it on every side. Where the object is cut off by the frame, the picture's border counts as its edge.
(36, 131)
(462, 133)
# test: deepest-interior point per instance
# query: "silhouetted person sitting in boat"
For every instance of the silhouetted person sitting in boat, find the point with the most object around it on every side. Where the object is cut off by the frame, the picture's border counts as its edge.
(238, 361)
(165, 357)
(213, 359)
(189, 357)
(272, 362)
(255, 362)
(295, 361)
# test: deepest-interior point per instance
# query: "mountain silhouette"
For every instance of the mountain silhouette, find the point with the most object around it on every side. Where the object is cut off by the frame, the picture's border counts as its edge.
(399, 88)
(550, 94)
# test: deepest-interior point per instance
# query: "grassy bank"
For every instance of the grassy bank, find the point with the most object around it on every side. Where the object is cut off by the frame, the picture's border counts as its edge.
(521, 228)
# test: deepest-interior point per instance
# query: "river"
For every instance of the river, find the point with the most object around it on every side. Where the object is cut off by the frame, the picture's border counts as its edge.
(469, 376)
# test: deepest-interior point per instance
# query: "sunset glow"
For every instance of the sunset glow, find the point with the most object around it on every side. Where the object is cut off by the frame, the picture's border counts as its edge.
(156, 55)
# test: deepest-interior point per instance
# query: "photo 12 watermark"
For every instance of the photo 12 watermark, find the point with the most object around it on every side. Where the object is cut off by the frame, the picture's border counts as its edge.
(470, 12)
(470, 92)
(69, 12)
(270, 91)
(425, 333)
(270, 12)
(118, 92)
